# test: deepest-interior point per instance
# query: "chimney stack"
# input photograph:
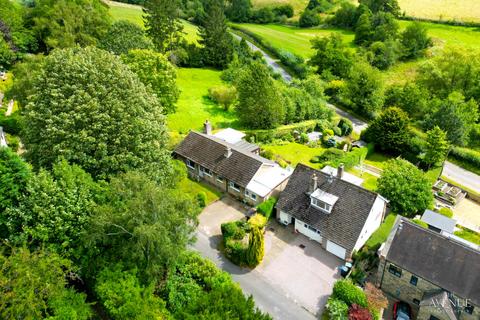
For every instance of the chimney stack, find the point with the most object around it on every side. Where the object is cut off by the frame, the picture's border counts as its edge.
(313, 184)
(207, 128)
(228, 152)
(330, 178)
(340, 171)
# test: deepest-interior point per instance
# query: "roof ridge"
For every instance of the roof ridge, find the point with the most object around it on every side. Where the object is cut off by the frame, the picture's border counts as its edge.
(345, 181)
(233, 147)
(437, 234)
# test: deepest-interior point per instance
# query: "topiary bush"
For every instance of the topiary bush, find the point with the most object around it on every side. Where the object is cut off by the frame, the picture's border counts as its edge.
(266, 207)
(346, 291)
(202, 199)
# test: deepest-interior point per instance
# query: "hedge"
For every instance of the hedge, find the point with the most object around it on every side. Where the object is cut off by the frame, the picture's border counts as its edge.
(352, 158)
(346, 291)
(469, 156)
(266, 207)
(267, 136)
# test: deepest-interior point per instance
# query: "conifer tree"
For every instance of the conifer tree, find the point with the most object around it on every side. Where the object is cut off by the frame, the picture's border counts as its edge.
(163, 24)
(256, 247)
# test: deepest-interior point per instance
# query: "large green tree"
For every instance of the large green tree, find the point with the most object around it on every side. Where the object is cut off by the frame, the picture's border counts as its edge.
(123, 36)
(364, 90)
(62, 23)
(331, 57)
(155, 71)
(455, 116)
(259, 103)
(14, 176)
(91, 109)
(239, 10)
(34, 286)
(389, 131)
(216, 40)
(436, 146)
(415, 40)
(142, 225)
(54, 210)
(390, 6)
(410, 97)
(406, 187)
(162, 20)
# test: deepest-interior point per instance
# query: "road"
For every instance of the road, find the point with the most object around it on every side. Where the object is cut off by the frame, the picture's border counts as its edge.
(267, 297)
(462, 176)
(358, 125)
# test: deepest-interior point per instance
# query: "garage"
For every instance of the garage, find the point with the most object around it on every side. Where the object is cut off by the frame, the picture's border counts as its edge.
(336, 250)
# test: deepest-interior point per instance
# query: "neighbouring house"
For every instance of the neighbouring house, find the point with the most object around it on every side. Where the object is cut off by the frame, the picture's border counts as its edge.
(439, 223)
(3, 139)
(231, 164)
(345, 175)
(448, 194)
(433, 272)
(338, 214)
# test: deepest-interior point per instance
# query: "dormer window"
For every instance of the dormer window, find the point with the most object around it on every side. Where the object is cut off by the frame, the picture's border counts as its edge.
(323, 200)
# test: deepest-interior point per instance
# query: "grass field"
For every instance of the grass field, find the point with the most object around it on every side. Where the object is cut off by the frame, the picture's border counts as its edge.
(133, 13)
(295, 153)
(194, 107)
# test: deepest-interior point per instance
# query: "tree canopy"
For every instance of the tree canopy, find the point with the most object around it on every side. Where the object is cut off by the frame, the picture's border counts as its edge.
(156, 72)
(332, 56)
(91, 109)
(14, 176)
(123, 36)
(406, 187)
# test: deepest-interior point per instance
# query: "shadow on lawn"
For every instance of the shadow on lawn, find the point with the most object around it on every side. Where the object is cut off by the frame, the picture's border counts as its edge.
(218, 112)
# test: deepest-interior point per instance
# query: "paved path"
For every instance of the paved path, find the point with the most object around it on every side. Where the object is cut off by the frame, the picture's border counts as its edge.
(462, 176)
(267, 297)
(358, 125)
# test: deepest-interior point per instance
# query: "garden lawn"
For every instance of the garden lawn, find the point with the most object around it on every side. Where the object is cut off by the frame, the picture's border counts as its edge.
(377, 159)
(381, 234)
(194, 188)
(194, 106)
(133, 13)
(369, 180)
(469, 235)
(295, 153)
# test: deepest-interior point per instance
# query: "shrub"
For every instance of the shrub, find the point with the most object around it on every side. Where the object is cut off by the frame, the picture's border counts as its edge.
(309, 19)
(337, 131)
(421, 223)
(284, 10)
(256, 248)
(346, 291)
(337, 309)
(223, 95)
(331, 143)
(11, 124)
(202, 199)
(346, 126)
(329, 155)
(467, 155)
(235, 230)
(258, 221)
(350, 159)
(356, 312)
(303, 138)
(327, 133)
(446, 212)
(13, 142)
(267, 154)
(266, 207)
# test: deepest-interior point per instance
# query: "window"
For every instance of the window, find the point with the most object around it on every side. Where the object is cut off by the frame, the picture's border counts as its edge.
(469, 308)
(321, 205)
(206, 171)
(234, 186)
(413, 280)
(190, 164)
(311, 228)
(433, 318)
(253, 196)
(220, 179)
(416, 301)
(396, 271)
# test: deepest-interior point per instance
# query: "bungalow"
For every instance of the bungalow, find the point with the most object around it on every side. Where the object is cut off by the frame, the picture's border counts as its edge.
(231, 164)
(337, 213)
(433, 272)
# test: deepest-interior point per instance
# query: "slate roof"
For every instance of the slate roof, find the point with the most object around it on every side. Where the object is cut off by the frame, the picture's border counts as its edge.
(445, 262)
(349, 214)
(439, 298)
(209, 152)
(439, 221)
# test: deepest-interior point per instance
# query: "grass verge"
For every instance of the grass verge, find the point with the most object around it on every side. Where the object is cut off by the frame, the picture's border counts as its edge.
(381, 234)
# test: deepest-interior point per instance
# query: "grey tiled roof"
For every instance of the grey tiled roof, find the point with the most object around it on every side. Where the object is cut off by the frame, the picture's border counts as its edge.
(209, 152)
(439, 298)
(438, 259)
(349, 214)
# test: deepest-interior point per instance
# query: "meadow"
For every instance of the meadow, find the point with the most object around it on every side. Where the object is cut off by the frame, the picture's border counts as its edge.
(443, 10)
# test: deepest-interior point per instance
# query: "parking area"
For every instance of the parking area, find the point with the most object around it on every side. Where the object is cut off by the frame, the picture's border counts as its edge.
(467, 214)
(295, 266)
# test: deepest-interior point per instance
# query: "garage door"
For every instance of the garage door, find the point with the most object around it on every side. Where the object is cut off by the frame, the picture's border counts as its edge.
(336, 250)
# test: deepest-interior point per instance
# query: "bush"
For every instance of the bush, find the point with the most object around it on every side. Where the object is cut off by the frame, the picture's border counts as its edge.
(337, 131)
(331, 143)
(266, 207)
(446, 212)
(469, 156)
(13, 142)
(309, 19)
(346, 291)
(284, 10)
(421, 223)
(11, 124)
(223, 95)
(328, 155)
(258, 221)
(202, 199)
(346, 126)
(356, 312)
(337, 309)
(235, 230)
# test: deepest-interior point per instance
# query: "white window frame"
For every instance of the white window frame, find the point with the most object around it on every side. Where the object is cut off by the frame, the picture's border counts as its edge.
(189, 162)
(206, 171)
(318, 204)
(232, 185)
(220, 179)
(250, 195)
